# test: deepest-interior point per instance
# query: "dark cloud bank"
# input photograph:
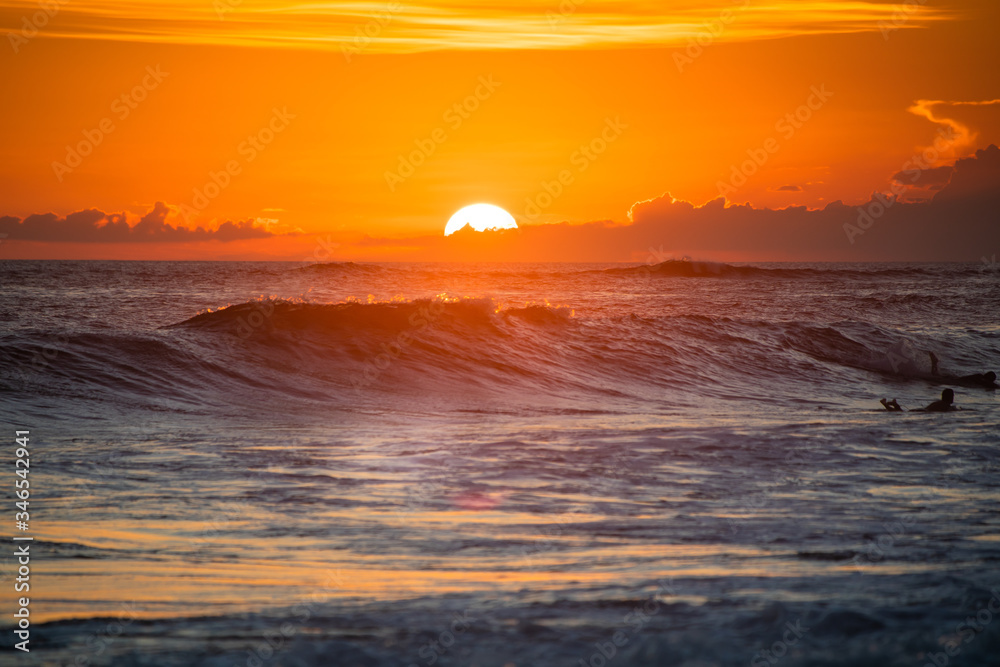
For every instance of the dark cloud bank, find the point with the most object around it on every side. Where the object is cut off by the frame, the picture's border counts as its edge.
(960, 223)
(94, 226)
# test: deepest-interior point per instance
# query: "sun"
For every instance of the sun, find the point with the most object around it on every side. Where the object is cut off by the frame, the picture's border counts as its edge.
(481, 217)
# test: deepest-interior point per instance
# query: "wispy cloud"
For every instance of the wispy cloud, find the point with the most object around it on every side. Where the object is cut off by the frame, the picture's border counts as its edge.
(453, 25)
(960, 136)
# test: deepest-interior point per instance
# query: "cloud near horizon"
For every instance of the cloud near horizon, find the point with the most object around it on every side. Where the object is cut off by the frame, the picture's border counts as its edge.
(959, 223)
(95, 226)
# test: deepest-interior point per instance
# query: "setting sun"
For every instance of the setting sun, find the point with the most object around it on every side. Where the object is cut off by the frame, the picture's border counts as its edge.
(480, 217)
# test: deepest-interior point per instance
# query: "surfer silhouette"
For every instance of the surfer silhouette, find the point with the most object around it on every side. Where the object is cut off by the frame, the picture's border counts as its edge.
(978, 380)
(946, 404)
(984, 380)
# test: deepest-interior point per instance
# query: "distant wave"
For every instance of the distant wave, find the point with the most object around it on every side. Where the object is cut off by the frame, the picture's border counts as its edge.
(331, 351)
(343, 268)
(673, 268)
(682, 350)
(446, 342)
(683, 268)
(357, 317)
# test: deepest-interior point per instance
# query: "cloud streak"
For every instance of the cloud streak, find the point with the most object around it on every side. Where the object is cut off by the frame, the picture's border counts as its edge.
(961, 137)
(455, 25)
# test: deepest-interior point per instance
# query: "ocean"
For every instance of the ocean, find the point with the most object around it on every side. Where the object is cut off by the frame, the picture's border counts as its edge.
(279, 464)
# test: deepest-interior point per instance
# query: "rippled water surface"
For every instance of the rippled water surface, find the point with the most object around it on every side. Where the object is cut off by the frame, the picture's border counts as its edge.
(276, 464)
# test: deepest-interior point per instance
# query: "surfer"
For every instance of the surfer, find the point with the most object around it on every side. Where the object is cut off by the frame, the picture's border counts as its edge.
(978, 380)
(984, 380)
(946, 404)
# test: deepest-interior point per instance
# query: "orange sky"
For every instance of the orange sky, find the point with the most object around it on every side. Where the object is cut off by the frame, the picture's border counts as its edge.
(173, 91)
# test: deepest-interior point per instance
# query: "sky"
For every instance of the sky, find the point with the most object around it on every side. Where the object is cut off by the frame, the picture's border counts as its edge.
(238, 129)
